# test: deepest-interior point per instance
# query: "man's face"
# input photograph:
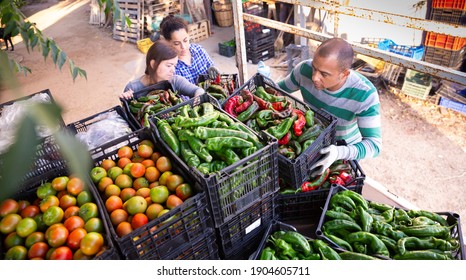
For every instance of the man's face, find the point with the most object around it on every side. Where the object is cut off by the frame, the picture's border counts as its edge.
(327, 74)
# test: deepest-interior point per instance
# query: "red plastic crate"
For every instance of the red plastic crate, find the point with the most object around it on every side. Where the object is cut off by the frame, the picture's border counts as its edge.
(449, 4)
(444, 41)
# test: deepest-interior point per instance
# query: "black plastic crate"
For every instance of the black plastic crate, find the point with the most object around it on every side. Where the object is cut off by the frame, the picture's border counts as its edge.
(237, 186)
(27, 191)
(226, 50)
(296, 171)
(202, 248)
(260, 55)
(164, 85)
(238, 237)
(84, 125)
(260, 41)
(452, 219)
(204, 81)
(166, 236)
(443, 57)
(257, 32)
(309, 205)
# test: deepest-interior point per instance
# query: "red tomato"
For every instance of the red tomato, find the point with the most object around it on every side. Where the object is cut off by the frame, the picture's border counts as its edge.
(92, 243)
(57, 236)
(38, 250)
(30, 211)
(61, 253)
(75, 237)
(73, 223)
(8, 206)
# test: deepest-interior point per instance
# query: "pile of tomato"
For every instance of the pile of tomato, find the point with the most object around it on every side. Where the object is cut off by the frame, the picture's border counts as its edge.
(61, 223)
(138, 186)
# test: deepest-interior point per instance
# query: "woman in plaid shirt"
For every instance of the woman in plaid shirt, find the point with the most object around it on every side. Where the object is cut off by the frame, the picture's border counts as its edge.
(193, 59)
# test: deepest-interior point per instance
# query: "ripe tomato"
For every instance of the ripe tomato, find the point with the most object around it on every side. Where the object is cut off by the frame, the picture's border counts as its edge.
(139, 220)
(73, 223)
(184, 191)
(67, 200)
(112, 203)
(38, 250)
(71, 211)
(22, 204)
(56, 236)
(123, 229)
(30, 211)
(125, 152)
(118, 216)
(145, 151)
(137, 170)
(173, 201)
(79, 255)
(75, 237)
(61, 253)
(75, 186)
(152, 174)
(92, 243)
(163, 164)
(59, 183)
(9, 222)
(50, 200)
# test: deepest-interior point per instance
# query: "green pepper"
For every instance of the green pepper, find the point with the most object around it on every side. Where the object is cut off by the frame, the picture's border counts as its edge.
(225, 118)
(167, 134)
(308, 143)
(310, 133)
(387, 230)
(433, 216)
(333, 214)
(421, 220)
(196, 144)
(400, 217)
(375, 244)
(268, 254)
(219, 143)
(252, 123)
(386, 216)
(218, 124)
(184, 110)
(390, 243)
(325, 251)
(343, 201)
(204, 168)
(380, 206)
(204, 133)
(296, 146)
(207, 108)
(194, 112)
(339, 241)
(260, 91)
(263, 116)
(249, 112)
(426, 231)
(284, 248)
(188, 155)
(280, 130)
(309, 116)
(203, 120)
(421, 255)
(338, 224)
(366, 218)
(251, 136)
(356, 256)
(248, 151)
(228, 155)
(356, 197)
(297, 241)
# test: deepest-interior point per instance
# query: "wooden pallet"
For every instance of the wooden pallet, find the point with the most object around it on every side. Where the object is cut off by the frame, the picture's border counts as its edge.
(121, 31)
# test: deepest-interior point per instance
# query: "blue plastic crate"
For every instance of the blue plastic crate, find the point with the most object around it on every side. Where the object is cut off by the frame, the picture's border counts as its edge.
(454, 105)
(415, 52)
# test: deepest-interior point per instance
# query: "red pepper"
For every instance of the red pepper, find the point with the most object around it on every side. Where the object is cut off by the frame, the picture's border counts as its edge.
(316, 183)
(346, 177)
(217, 80)
(248, 99)
(232, 103)
(262, 103)
(334, 179)
(300, 123)
(279, 106)
(285, 139)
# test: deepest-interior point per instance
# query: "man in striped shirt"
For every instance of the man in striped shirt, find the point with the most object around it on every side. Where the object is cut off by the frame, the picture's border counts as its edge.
(327, 82)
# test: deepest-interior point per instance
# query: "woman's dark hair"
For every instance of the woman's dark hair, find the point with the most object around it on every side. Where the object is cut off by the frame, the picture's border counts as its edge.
(171, 24)
(159, 51)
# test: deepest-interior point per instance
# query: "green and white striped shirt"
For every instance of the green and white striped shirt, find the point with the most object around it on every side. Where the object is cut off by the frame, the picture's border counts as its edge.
(355, 105)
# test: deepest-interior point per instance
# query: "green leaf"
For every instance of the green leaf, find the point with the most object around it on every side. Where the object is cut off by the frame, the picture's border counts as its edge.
(55, 52)
(75, 153)
(16, 162)
(61, 59)
(45, 49)
(34, 41)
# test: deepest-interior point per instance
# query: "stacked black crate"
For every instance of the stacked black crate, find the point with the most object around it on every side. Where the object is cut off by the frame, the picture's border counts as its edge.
(448, 51)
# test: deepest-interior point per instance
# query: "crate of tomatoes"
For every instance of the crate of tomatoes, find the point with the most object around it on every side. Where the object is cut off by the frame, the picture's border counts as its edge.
(301, 129)
(153, 207)
(55, 216)
(235, 165)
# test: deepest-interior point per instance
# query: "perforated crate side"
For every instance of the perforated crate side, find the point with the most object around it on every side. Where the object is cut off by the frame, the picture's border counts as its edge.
(238, 237)
(161, 237)
(260, 55)
(308, 205)
(296, 171)
(28, 192)
(239, 185)
(453, 219)
(202, 248)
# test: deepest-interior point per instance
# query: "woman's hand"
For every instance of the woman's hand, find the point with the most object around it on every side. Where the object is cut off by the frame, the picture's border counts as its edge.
(127, 94)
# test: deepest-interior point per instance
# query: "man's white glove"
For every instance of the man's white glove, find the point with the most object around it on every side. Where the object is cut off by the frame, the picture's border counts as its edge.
(331, 154)
(213, 72)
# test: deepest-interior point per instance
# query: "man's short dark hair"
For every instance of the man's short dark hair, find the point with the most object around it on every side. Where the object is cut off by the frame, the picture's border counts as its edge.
(340, 48)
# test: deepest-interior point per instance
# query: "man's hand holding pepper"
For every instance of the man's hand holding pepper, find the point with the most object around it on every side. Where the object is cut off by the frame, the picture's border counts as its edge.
(330, 155)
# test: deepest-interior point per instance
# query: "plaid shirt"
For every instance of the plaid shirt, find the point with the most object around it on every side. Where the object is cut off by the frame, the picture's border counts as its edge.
(200, 62)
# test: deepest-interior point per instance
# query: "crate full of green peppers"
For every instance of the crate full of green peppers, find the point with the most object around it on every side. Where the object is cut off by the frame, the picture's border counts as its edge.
(236, 165)
(283, 242)
(149, 101)
(351, 222)
(301, 129)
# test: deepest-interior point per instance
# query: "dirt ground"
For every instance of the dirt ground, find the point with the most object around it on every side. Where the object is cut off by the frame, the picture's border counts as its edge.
(424, 146)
